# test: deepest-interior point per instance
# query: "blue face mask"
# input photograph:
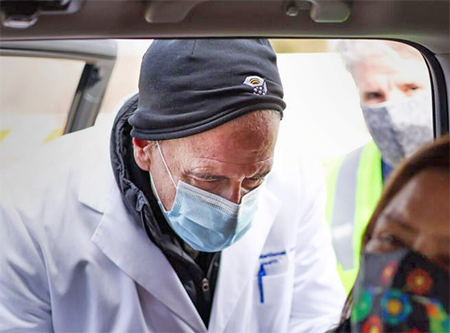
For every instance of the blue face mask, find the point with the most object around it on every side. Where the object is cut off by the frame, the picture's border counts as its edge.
(205, 221)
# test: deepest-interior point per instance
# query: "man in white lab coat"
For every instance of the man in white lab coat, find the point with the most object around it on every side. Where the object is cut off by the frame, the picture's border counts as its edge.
(190, 221)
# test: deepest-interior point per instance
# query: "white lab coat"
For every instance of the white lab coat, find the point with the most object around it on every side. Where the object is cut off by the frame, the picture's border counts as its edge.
(72, 259)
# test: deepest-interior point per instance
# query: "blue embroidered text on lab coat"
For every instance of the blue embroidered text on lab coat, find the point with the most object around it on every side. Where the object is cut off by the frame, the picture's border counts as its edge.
(272, 254)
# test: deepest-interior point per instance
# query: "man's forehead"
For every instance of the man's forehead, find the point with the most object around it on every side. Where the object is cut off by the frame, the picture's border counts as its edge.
(214, 148)
(403, 71)
(241, 142)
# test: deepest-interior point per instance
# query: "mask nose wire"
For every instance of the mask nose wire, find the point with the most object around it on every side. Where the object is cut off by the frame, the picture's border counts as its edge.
(165, 164)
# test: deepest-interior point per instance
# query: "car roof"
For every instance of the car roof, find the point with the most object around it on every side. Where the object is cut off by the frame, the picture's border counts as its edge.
(425, 22)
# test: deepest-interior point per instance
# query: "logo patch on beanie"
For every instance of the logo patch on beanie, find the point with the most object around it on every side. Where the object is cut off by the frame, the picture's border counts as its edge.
(258, 84)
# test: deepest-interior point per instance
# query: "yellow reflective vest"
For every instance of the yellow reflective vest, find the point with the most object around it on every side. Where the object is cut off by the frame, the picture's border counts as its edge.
(354, 184)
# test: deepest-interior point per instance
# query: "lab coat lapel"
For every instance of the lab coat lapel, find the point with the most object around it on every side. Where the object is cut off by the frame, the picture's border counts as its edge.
(126, 244)
(238, 262)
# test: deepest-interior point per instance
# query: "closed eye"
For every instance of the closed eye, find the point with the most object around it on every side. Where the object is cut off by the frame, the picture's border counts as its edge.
(410, 87)
(256, 179)
(259, 177)
(373, 95)
(206, 177)
(390, 241)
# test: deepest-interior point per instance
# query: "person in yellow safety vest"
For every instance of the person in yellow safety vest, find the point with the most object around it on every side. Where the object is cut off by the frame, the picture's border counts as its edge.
(395, 96)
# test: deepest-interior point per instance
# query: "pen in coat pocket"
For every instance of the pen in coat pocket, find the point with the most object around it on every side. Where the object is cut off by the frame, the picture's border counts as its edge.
(261, 274)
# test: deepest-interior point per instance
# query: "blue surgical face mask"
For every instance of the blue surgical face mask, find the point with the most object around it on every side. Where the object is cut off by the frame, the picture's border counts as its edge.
(205, 221)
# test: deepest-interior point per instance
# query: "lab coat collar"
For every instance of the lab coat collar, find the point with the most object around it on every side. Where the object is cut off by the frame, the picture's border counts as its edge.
(127, 245)
(238, 262)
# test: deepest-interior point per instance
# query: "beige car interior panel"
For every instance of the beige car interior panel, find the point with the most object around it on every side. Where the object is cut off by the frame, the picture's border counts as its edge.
(169, 11)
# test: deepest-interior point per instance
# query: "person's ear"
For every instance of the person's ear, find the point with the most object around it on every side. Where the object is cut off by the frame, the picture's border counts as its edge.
(142, 152)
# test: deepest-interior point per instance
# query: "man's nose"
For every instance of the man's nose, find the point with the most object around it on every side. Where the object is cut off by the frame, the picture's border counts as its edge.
(395, 95)
(234, 193)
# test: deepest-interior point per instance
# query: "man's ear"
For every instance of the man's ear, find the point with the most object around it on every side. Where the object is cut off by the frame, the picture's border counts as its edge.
(141, 152)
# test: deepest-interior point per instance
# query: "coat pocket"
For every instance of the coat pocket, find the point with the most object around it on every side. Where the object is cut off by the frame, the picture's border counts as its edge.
(273, 298)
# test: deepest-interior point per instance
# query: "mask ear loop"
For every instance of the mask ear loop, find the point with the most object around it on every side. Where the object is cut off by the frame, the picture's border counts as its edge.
(165, 164)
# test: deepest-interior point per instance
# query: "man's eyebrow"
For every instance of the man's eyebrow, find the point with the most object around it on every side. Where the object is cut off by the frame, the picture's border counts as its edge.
(205, 175)
(261, 174)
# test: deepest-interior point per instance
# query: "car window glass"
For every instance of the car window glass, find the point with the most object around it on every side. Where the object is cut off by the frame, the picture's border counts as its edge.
(358, 119)
(322, 115)
(35, 98)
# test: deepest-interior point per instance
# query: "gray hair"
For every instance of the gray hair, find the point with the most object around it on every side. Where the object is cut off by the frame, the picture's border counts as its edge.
(354, 51)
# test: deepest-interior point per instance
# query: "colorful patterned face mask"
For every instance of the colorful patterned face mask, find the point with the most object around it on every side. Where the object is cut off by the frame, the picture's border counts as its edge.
(400, 291)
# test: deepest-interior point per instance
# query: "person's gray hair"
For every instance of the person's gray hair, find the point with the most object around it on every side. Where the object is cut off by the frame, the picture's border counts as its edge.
(353, 51)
